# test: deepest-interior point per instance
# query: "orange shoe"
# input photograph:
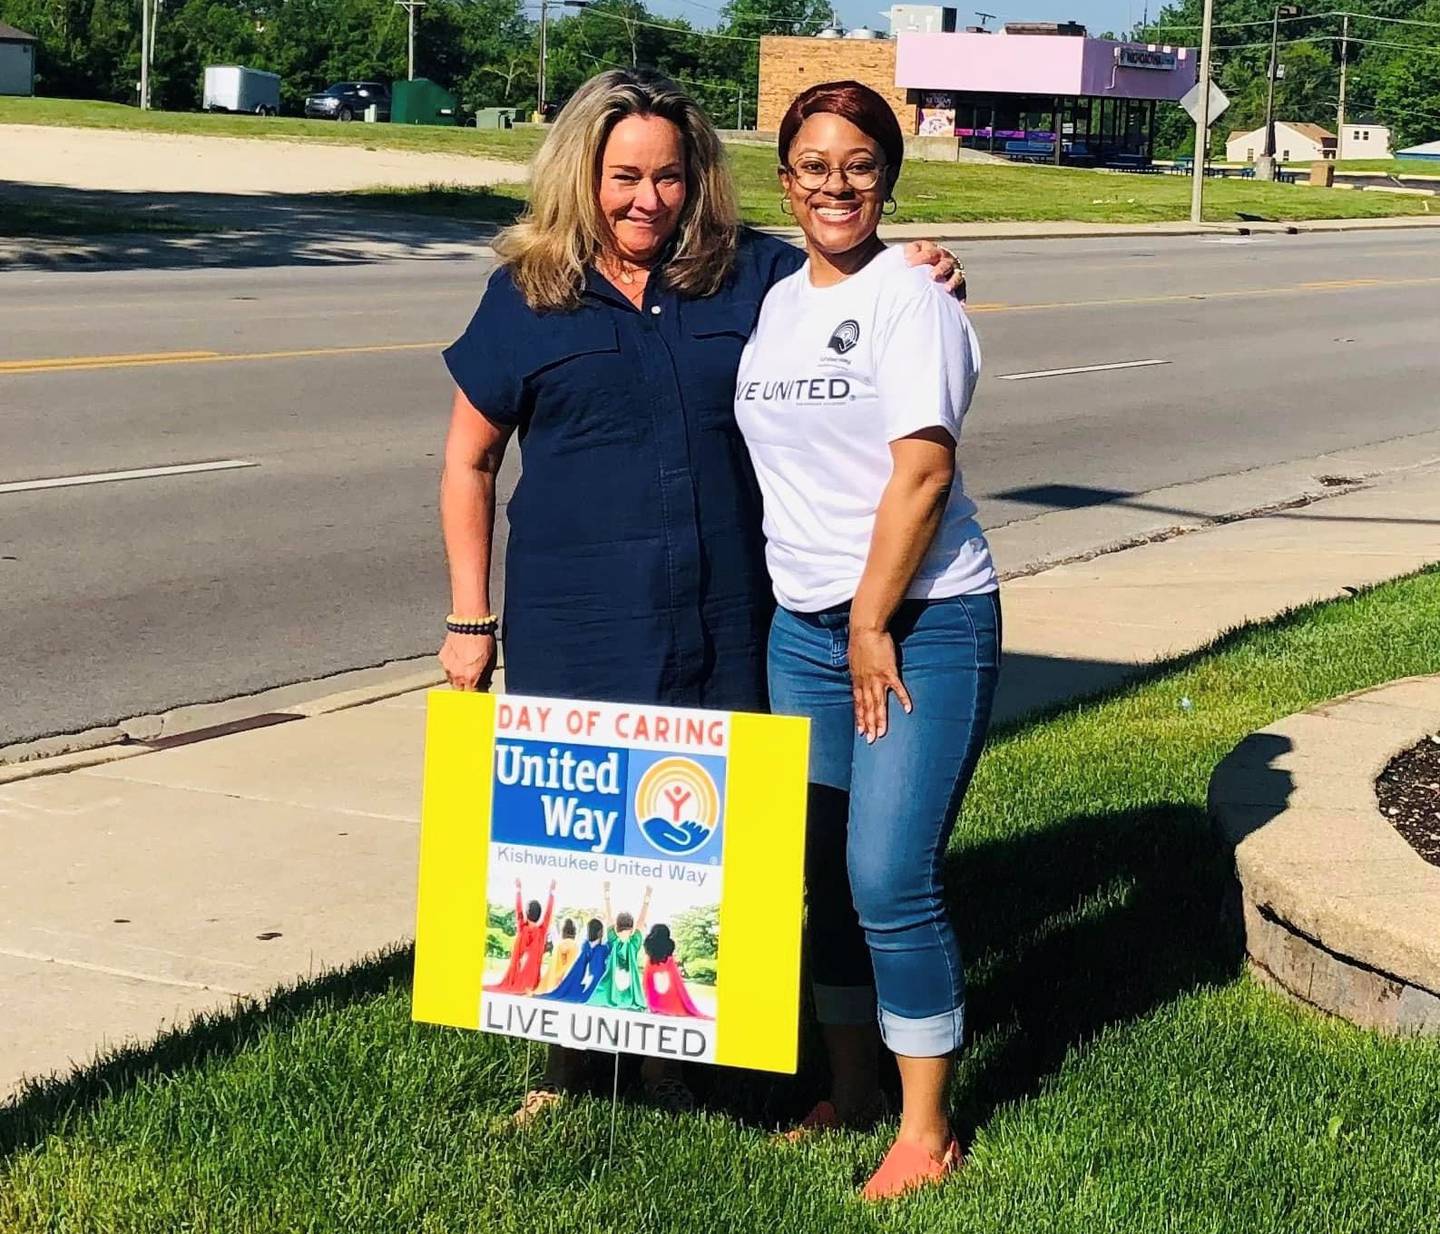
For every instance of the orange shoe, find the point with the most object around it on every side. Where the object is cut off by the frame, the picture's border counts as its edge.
(908, 1167)
(824, 1117)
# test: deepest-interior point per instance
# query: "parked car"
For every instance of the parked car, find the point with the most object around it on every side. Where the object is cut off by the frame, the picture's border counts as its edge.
(347, 100)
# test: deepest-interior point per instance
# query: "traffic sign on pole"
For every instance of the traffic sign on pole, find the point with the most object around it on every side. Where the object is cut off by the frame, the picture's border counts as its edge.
(1219, 101)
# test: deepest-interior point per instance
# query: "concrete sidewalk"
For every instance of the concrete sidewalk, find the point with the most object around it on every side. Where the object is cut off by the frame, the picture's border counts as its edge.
(137, 891)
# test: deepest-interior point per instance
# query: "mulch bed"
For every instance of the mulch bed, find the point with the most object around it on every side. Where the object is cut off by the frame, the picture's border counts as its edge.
(1409, 794)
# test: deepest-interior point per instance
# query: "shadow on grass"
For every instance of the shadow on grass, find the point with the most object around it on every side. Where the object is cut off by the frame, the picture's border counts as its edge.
(1094, 922)
(45, 1106)
(107, 229)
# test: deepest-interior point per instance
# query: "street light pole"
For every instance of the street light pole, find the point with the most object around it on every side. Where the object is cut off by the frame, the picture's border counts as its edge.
(1265, 168)
(1202, 117)
(1340, 110)
(409, 6)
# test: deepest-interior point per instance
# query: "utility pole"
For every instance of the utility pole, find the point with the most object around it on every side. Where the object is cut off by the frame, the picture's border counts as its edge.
(154, 27)
(144, 55)
(740, 108)
(1265, 166)
(409, 6)
(540, 75)
(1202, 117)
(1340, 110)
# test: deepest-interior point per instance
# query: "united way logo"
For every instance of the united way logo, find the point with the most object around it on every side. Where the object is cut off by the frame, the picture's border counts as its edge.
(677, 806)
(846, 335)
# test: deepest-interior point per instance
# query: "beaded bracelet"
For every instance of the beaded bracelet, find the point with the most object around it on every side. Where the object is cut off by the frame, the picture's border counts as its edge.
(472, 625)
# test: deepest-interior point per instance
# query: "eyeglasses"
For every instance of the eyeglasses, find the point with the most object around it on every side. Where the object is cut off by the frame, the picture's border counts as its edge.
(812, 174)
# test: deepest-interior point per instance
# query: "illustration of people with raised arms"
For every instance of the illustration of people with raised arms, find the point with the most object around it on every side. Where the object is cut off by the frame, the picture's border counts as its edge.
(532, 924)
(589, 967)
(561, 958)
(621, 987)
(665, 991)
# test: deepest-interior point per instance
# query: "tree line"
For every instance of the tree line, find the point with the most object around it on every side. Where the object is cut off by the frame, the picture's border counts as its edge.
(1392, 59)
(485, 51)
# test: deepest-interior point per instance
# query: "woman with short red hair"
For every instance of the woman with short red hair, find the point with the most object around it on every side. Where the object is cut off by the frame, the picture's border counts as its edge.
(850, 395)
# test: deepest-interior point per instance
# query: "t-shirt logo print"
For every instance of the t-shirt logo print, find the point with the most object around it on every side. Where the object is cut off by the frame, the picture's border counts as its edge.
(846, 335)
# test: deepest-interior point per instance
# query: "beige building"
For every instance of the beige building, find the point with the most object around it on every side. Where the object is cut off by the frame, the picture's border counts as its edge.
(1294, 143)
(1364, 141)
(789, 65)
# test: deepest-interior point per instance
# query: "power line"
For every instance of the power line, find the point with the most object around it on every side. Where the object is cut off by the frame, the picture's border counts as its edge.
(690, 30)
(1333, 38)
(1236, 25)
(791, 21)
(1314, 38)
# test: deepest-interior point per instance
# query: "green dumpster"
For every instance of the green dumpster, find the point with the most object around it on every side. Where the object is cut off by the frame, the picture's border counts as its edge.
(421, 101)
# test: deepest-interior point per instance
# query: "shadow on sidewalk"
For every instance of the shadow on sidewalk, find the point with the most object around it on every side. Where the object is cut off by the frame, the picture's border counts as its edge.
(1052, 497)
(214, 229)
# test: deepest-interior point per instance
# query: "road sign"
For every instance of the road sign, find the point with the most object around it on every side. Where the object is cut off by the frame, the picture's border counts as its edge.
(1218, 102)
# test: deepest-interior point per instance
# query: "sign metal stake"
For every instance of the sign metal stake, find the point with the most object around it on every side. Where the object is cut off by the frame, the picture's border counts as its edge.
(614, 1110)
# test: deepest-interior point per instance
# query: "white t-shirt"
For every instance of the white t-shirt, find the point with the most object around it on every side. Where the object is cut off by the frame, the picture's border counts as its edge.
(830, 377)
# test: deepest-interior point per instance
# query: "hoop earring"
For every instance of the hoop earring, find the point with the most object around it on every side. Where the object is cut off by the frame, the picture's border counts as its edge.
(893, 206)
(785, 207)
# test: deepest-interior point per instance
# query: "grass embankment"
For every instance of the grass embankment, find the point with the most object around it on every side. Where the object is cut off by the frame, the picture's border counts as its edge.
(979, 193)
(32, 220)
(515, 144)
(1429, 168)
(1124, 1076)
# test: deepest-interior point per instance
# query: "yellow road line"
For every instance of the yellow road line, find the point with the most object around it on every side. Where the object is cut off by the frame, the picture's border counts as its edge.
(25, 366)
(74, 364)
(1325, 285)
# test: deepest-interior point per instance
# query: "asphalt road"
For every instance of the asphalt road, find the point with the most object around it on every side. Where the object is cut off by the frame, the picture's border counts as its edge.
(129, 597)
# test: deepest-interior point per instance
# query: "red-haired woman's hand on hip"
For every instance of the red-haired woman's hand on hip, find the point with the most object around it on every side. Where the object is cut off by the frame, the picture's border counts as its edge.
(874, 675)
(468, 660)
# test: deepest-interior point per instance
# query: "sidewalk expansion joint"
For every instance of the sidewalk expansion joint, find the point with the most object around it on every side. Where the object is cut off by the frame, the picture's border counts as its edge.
(129, 974)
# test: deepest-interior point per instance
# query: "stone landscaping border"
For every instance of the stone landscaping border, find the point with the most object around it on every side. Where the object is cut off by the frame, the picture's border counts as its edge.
(1338, 910)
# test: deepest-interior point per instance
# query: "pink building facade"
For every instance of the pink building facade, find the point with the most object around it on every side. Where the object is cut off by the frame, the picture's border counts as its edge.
(1054, 98)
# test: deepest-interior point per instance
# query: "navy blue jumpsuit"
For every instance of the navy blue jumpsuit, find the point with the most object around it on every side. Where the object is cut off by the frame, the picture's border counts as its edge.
(635, 570)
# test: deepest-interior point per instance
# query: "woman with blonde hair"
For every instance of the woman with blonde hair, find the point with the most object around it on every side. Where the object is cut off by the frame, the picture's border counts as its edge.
(609, 340)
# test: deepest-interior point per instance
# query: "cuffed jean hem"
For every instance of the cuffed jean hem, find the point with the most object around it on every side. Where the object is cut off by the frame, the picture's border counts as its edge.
(844, 1004)
(931, 1037)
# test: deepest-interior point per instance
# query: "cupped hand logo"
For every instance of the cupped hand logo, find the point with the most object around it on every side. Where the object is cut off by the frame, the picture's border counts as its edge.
(673, 837)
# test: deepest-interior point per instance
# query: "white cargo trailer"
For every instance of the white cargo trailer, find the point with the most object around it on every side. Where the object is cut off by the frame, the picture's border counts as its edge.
(232, 87)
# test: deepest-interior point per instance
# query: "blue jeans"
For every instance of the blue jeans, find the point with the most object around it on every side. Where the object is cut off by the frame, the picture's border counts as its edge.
(880, 816)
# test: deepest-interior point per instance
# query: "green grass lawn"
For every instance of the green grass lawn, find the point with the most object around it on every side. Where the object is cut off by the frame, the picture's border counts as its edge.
(1393, 167)
(516, 144)
(978, 192)
(1124, 1075)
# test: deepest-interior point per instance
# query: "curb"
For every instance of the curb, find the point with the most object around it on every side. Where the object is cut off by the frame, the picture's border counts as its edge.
(200, 722)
